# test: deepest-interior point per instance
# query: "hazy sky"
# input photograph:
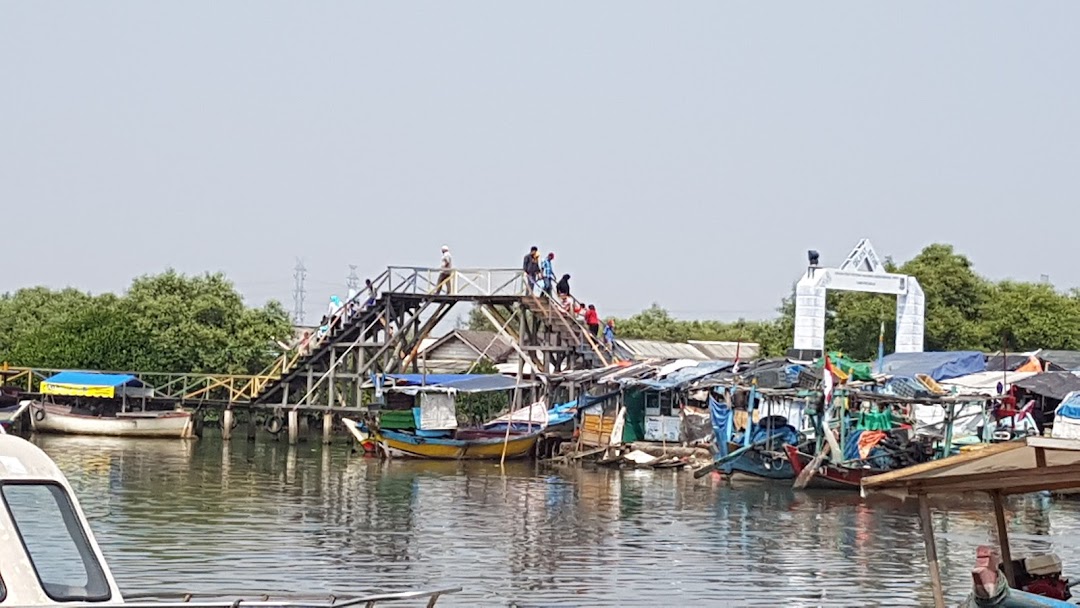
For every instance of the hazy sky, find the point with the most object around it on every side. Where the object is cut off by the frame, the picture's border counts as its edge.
(687, 153)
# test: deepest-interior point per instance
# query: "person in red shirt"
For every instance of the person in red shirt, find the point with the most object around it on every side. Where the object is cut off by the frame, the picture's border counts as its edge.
(592, 319)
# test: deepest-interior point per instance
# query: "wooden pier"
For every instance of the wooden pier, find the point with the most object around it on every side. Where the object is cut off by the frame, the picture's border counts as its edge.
(334, 372)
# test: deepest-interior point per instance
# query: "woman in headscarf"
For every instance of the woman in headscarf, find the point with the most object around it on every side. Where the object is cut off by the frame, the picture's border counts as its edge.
(563, 287)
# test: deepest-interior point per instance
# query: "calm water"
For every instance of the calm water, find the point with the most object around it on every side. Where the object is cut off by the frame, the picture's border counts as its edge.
(202, 516)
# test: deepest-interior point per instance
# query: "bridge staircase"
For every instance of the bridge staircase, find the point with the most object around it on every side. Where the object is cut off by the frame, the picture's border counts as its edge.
(386, 336)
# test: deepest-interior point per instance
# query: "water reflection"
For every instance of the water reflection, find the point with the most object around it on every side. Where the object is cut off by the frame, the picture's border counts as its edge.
(253, 517)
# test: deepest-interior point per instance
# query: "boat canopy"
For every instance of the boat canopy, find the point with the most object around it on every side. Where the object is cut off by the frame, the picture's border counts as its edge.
(93, 384)
(1031, 464)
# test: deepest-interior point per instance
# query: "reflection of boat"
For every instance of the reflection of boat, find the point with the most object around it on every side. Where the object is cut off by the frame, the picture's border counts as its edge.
(50, 418)
(828, 477)
(42, 513)
(465, 445)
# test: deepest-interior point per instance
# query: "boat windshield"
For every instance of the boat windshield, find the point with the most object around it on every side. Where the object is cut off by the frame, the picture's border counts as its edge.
(55, 541)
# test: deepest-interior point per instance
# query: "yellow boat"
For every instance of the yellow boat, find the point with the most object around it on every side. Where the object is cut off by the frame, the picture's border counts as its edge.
(466, 445)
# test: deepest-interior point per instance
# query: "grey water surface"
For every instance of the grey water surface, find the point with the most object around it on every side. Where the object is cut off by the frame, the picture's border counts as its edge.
(204, 516)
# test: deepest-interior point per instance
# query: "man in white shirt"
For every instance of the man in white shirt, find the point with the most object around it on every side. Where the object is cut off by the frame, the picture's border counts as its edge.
(445, 266)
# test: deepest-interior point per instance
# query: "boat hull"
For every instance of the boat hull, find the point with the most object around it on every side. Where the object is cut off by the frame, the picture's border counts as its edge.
(828, 477)
(404, 445)
(47, 418)
(756, 464)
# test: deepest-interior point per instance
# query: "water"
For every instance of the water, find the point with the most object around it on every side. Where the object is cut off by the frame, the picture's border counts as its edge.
(205, 517)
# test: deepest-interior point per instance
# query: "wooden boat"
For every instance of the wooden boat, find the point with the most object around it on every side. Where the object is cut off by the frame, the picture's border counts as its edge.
(759, 464)
(42, 511)
(465, 445)
(51, 418)
(828, 476)
(360, 433)
(1022, 466)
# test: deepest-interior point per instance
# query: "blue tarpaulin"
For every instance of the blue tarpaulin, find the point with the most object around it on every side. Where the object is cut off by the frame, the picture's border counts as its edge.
(93, 379)
(430, 379)
(682, 377)
(781, 435)
(1070, 406)
(720, 414)
(938, 365)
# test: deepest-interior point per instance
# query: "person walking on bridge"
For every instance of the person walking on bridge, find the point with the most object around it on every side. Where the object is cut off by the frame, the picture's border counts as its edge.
(445, 265)
(563, 288)
(547, 272)
(531, 267)
(592, 319)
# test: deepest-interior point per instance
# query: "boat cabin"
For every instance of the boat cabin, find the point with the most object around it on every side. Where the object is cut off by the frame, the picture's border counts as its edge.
(49, 553)
(1022, 466)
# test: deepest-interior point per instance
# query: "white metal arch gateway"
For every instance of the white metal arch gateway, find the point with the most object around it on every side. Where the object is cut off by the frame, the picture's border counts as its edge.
(862, 271)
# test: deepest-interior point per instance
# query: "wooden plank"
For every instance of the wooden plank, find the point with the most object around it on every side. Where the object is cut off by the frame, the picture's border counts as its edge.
(908, 474)
(1004, 481)
(931, 551)
(1040, 457)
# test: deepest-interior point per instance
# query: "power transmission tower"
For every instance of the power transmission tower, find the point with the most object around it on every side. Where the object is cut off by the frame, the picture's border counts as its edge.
(299, 274)
(352, 281)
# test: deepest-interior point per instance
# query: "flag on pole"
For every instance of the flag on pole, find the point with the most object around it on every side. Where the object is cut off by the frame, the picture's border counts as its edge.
(827, 380)
(881, 350)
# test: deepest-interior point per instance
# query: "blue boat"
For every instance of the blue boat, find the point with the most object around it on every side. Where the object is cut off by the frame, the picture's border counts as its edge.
(759, 454)
(759, 463)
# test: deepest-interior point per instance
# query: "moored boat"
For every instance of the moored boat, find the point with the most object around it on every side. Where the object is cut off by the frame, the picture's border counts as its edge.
(759, 464)
(53, 418)
(118, 405)
(464, 445)
(828, 476)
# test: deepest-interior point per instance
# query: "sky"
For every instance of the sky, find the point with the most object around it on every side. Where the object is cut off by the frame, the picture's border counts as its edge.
(686, 154)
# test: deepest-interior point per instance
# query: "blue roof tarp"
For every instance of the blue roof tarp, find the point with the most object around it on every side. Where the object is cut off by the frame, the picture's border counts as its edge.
(938, 365)
(484, 384)
(88, 384)
(683, 377)
(428, 379)
(94, 379)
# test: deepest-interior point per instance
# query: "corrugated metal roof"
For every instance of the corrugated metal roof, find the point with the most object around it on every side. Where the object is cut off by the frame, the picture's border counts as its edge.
(655, 349)
(727, 351)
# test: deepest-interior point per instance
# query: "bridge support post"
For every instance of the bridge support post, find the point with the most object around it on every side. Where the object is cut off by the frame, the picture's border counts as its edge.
(327, 426)
(294, 426)
(226, 424)
(305, 427)
(252, 427)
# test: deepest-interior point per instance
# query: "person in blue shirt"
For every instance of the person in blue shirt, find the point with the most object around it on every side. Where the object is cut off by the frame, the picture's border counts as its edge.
(547, 271)
(609, 335)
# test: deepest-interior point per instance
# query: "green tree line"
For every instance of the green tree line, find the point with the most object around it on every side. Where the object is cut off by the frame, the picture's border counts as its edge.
(964, 311)
(168, 322)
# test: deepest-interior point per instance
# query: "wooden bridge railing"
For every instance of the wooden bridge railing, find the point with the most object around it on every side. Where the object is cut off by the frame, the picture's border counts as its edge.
(469, 282)
(227, 388)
